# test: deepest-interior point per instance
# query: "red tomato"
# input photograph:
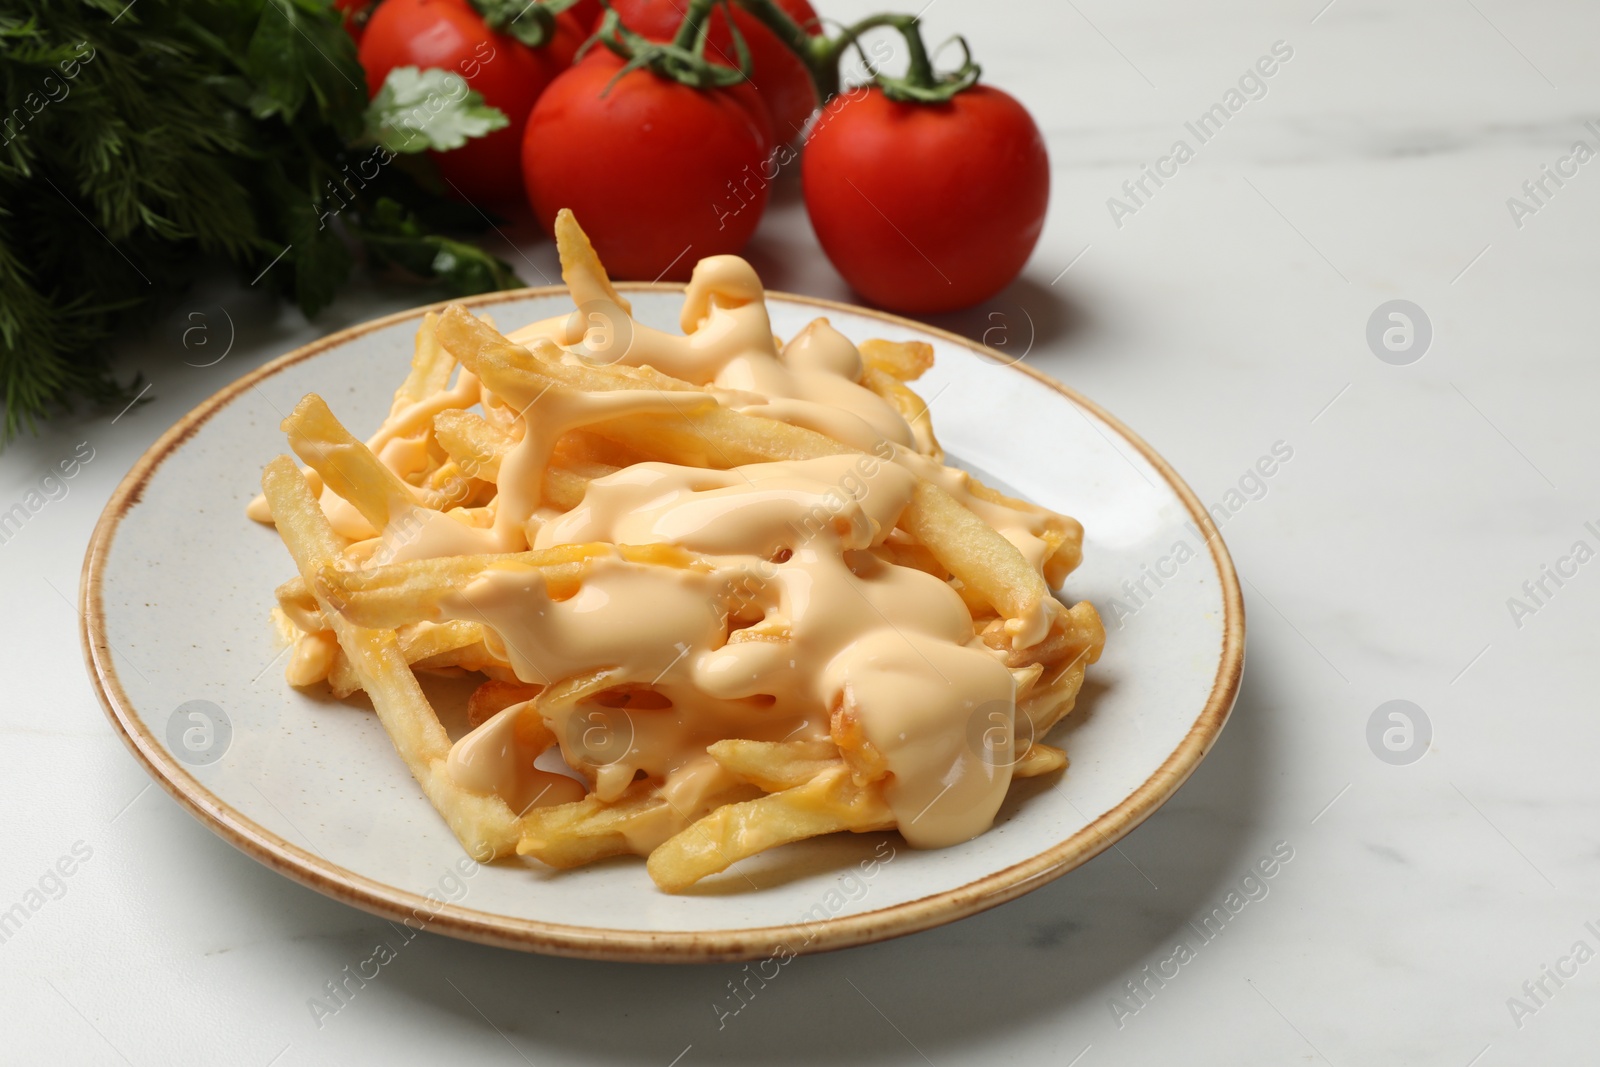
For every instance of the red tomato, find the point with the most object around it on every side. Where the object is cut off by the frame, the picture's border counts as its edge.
(353, 14)
(450, 35)
(927, 207)
(751, 101)
(588, 13)
(777, 73)
(659, 174)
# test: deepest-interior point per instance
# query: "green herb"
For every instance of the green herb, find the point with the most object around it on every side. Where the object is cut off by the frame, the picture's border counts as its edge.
(531, 23)
(418, 109)
(139, 138)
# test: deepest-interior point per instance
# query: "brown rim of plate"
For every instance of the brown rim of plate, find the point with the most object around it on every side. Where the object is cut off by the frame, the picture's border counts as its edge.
(642, 945)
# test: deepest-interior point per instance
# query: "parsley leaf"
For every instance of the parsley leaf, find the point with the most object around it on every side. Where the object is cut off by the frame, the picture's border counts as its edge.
(421, 109)
(393, 235)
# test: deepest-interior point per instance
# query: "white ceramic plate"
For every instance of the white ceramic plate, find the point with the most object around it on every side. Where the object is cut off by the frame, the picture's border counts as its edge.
(178, 582)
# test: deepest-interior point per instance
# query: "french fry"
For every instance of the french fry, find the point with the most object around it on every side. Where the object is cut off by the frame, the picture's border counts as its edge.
(396, 594)
(909, 405)
(522, 436)
(910, 554)
(346, 465)
(430, 367)
(1054, 699)
(969, 548)
(299, 606)
(473, 657)
(1075, 633)
(905, 360)
(1039, 760)
(974, 553)
(476, 446)
(521, 374)
(581, 268)
(866, 762)
(484, 825)
(493, 697)
(1063, 536)
(447, 487)
(571, 835)
(402, 593)
(586, 453)
(775, 765)
(420, 644)
(826, 804)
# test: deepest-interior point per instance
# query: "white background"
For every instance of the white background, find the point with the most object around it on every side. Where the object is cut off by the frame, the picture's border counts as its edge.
(1227, 314)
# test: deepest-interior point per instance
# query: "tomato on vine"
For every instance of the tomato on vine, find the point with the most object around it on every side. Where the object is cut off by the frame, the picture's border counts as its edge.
(927, 191)
(660, 173)
(778, 74)
(927, 207)
(509, 73)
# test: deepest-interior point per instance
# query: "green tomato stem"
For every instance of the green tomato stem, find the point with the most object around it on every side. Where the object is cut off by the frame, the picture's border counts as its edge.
(691, 31)
(822, 54)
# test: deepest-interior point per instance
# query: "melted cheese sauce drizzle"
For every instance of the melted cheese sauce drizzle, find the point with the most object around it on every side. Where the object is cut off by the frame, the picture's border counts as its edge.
(792, 612)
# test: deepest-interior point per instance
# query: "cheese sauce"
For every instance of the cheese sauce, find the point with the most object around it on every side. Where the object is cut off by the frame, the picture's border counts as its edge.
(790, 611)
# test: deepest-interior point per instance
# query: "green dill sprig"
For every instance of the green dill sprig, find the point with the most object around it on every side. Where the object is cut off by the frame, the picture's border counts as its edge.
(137, 139)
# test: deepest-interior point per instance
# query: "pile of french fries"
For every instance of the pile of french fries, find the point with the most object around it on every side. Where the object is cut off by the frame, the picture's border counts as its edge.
(361, 621)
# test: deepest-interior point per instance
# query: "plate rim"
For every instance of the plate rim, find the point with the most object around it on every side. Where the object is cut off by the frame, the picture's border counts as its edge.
(606, 943)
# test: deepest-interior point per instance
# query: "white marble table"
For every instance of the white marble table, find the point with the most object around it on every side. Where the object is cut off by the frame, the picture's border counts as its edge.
(1431, 909)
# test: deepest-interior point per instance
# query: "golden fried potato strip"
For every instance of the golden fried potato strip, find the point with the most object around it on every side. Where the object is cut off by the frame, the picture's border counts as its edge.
(485, 825)
(471, 442)
(299, 606)
(1053, 698)
(477, 448)
(909, 405)
(1075, 634)
(419, 644)
(493, 697)
(430, 366)
(571, 835)
(1039, 760)
(865, 760)
(520, 374)
(1062, 533)
(775, 765)
(828, 803)
(905, 360)
(581, 268)
(396, 594)
(346, 465)
(974, 553)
